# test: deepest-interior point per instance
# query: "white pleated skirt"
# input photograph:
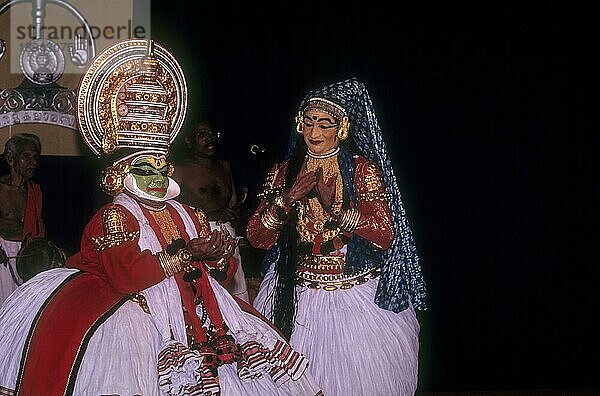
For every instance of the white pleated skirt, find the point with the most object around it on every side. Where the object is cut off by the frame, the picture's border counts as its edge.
(121, 357)
(355, 347)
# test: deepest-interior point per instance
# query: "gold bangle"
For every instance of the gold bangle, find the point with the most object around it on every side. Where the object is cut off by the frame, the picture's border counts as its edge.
(166, 263)
(270, 221)
(344, 220)
(171, 265)
(275, 220)
(221, 265)
(278, 201)
(354, 221)
(350, 219)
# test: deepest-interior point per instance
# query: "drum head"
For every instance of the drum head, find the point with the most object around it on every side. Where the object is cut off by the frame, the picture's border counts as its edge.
(38, 255)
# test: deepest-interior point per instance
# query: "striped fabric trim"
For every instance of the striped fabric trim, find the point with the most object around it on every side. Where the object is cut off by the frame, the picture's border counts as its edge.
(290, 361)
(282, 363)
(181, 373)
(253, 361)
(6, 391)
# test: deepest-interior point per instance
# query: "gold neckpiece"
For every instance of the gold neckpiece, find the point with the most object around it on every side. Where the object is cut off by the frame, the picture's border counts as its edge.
(312, 217)
(166, 224)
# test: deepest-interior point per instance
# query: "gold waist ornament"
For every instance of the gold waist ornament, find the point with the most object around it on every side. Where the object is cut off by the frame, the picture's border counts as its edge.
(331, 282)
(322, 263)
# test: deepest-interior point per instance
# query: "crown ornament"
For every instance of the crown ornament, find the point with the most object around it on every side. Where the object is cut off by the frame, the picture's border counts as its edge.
(134, 96)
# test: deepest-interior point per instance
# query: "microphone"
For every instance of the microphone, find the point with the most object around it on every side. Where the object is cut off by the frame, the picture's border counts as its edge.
(256, 149)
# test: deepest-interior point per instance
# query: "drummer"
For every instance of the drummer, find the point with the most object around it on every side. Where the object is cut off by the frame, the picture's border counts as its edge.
(20, 206)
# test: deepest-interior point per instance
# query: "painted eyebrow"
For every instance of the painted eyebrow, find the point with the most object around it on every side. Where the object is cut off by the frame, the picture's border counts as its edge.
(144, 163)
(326, 119)
(150, 165)
(322, 119)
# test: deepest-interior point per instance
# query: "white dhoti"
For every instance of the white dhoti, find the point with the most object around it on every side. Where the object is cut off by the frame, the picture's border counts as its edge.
(9, 278)
(238, 287)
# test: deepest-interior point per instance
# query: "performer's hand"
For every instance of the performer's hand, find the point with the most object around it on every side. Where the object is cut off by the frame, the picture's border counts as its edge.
(303, 184)
(217, 245)
(3, 257)
(205, 248)
(228, 247)
(325, 190)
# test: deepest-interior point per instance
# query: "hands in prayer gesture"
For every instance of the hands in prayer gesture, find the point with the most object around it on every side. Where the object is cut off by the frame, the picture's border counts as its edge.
(308, 183)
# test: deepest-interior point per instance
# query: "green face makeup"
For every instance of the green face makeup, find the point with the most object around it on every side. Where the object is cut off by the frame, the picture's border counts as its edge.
(151, 175)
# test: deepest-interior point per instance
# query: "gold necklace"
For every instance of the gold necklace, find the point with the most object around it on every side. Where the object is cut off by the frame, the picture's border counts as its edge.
(166, 224)
(311, 216)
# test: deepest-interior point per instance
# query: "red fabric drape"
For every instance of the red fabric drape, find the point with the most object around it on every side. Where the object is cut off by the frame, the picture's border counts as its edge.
(33, 225)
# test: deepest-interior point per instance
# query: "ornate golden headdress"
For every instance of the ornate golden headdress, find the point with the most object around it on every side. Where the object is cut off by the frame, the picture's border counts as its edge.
(133, 96)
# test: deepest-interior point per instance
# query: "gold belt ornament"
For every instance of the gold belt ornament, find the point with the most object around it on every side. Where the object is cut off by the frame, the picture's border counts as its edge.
(331, 282)
(322, 263)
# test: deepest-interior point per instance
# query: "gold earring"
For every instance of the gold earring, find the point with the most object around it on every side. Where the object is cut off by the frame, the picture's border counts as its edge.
(300, 122)
(112, 179)
(170, 169)
(342, 133)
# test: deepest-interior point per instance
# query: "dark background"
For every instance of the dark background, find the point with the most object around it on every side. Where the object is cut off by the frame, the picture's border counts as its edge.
(486, 110)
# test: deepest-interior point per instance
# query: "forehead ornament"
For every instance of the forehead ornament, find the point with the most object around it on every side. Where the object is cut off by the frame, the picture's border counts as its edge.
(328, 107)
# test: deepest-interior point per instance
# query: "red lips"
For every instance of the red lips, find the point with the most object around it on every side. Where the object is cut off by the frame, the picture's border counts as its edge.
(156, 189)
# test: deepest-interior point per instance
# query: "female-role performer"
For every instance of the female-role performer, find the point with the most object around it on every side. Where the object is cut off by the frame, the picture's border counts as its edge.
(140, 311)
(343, 275)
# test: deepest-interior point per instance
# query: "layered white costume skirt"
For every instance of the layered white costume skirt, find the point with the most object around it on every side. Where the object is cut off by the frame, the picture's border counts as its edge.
(121, 357)
(354, 347)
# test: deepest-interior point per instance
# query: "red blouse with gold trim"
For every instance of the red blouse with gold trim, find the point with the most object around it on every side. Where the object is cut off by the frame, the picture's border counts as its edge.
(115, 256)
(315, 227)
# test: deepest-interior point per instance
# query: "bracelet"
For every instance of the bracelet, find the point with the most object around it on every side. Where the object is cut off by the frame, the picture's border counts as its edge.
(349, 220)
(204, 231)
(279, 201)
(281, 209)
(270, 221)
(220, 265)
(171, 265)
(219, 271)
